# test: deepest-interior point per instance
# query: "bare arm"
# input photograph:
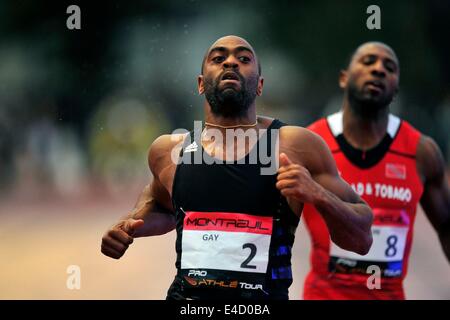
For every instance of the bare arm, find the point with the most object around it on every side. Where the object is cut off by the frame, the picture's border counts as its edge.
(436, 195)
(153, 212)
(158, 217)
(312, 177)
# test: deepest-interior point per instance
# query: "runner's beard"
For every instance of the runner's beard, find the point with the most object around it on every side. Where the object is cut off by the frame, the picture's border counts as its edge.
(365, 103)
(231, 102)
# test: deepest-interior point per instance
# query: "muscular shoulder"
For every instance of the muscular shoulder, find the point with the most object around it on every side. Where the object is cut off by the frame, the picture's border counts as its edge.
(162, 150)
(293, 138)
(430, 161)
(306, 148)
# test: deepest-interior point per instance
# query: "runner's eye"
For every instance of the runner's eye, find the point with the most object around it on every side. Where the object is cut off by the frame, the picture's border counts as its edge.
(390, 66)
(244, 59)
(218, 59)
(368, 60)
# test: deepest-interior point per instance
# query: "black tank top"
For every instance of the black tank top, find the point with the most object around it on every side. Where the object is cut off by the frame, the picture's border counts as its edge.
(234, 229)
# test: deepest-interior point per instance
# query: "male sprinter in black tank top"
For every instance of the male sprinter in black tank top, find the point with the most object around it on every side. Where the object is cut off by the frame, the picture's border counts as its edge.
(235, 226)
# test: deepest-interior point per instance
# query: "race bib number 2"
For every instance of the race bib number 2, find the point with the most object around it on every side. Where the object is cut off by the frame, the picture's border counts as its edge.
(226, 241)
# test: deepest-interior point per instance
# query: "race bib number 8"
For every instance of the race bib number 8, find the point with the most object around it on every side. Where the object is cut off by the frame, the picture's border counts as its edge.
(226, 241)
(389, 232)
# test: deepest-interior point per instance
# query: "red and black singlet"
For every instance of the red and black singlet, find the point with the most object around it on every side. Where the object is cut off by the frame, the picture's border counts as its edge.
(386, 178)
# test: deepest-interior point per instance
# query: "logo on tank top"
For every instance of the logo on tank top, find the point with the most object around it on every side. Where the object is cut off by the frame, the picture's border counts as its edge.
(383, 191)
(395, 171)
(192, 147)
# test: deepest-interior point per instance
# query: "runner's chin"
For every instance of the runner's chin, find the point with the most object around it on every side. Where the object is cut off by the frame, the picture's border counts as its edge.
(230, 86)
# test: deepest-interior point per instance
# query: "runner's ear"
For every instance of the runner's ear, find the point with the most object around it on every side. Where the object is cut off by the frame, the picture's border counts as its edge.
(200, 83)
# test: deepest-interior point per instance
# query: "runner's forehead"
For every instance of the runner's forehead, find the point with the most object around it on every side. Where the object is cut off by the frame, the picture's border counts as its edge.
(231, 43)
(375, 49)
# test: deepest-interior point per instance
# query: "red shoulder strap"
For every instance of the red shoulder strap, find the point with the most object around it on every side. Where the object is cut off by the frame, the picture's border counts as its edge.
(406, 140)
(322, 128)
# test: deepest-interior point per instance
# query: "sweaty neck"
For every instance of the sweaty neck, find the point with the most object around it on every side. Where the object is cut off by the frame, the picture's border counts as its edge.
(364, 131)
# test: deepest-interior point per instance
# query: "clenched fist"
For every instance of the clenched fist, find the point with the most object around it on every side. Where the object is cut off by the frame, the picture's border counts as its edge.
(117, 239)
(295, 182)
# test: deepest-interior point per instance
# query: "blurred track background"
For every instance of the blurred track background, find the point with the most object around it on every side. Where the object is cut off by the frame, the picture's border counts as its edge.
(39, 240)
(79, 109)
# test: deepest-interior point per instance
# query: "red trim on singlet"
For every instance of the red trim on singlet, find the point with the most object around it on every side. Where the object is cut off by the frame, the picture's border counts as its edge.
(227, 221)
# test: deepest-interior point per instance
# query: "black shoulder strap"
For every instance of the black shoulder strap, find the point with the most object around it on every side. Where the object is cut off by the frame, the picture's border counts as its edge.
(277, 124)
(271, 135)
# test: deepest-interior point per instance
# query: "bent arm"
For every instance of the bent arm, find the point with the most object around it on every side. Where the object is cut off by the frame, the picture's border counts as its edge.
(436, 195)
(346, 215)
(154, 204)
(153, 212)
(157, 215)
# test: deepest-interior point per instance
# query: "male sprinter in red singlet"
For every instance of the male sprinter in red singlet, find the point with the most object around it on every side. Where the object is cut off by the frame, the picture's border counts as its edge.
(235, 225)
(392, 166)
